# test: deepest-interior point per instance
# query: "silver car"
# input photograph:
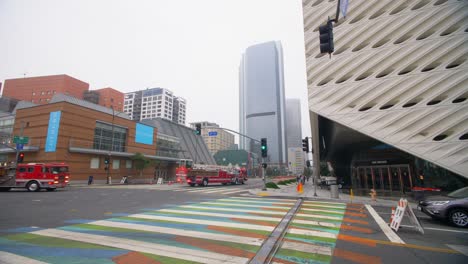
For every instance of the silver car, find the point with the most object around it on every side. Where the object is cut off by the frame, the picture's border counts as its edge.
(452, 207)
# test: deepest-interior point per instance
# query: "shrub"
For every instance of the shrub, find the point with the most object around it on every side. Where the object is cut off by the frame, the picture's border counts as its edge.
(282, 183)
(272, 185)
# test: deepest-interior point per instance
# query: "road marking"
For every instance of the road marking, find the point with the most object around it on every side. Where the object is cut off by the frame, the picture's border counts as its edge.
(222, 190)
(243, 190)
(9, 258)
(324, 206)
(460, 248)
(261, 218)
(308, 248)
(321, 210)
(263, 199)
(247, 205)
(234, 210)
(440, 229)
(317, 223)
(210, 189)
(311, 233)
(181, 232)
(145, 247)
(321, 216)
(355, 257)
(256, 202)
(323, 202)
(384, 226)
(203, 222)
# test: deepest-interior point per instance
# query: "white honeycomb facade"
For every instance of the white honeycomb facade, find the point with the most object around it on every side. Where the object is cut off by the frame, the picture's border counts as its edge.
(399, 74)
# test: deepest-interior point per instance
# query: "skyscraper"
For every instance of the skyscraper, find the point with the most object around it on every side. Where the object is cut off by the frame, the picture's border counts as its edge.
(296, 155)
(261, 99)
(153, 103)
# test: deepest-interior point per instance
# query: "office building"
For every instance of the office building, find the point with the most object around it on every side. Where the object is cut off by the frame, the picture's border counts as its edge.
(107, 97)
(296, 156)
(262, 101)
(41, 89)
(392, 100)
(155, 103)
(216, 139)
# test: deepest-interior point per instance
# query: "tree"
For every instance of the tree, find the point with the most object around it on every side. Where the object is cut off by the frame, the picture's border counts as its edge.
(141, 162)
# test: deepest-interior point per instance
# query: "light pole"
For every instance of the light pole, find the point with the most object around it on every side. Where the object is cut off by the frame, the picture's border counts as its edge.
(109, 177)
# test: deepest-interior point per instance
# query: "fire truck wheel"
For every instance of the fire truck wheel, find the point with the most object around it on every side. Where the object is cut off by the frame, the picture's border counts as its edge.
(205, 182)
(33, 186)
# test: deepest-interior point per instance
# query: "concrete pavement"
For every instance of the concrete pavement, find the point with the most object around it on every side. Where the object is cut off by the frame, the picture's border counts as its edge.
(290, 191)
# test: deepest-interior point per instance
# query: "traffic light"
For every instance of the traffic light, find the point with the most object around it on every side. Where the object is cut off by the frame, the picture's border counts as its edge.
(326, 38)
(106, 160)
(305, 145)
(264, 165)
(264, 147)
(308, 163)
(198, 129)
(20, 157)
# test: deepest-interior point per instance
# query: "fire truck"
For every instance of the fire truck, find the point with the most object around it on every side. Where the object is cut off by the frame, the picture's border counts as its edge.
(202, 175)
(34, 176)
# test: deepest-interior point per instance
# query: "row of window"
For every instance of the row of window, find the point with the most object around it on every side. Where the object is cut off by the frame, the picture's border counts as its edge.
(44, 92)
(96, 162)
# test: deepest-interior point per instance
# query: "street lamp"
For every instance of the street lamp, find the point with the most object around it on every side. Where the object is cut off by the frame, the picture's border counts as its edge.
(109, 178)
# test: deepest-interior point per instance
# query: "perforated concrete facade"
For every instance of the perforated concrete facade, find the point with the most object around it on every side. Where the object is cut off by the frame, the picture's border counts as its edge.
(398, 74)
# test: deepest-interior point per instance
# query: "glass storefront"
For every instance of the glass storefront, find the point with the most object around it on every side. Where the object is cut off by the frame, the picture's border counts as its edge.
(384, 179)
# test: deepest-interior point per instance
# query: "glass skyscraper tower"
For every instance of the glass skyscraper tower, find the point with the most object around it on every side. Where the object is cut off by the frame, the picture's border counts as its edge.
(262, 102)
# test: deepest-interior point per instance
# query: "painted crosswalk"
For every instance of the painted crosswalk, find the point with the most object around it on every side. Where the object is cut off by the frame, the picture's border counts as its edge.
(226, 230)
(228, 190)
(312, 235)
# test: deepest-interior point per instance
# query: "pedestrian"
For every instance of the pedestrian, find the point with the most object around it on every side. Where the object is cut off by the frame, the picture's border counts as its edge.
(373, 195)
(298, 178)
(303, 179)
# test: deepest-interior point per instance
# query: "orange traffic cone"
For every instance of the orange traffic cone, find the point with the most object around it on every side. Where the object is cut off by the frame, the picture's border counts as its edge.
(393, 213)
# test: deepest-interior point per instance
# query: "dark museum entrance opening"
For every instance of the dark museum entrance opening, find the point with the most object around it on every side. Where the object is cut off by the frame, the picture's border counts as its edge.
(386, 180)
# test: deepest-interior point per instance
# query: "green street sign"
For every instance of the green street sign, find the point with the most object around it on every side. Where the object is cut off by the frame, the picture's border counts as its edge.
(20, 140)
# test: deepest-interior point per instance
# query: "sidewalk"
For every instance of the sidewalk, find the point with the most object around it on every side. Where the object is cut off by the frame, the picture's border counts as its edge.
(289, 191)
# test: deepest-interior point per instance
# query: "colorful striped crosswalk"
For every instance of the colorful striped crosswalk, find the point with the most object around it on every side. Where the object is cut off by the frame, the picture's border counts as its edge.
(226, 230)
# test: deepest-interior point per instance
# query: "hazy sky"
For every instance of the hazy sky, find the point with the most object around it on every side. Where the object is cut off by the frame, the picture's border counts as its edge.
(191, 47)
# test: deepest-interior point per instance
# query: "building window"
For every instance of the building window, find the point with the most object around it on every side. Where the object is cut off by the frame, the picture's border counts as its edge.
(34, 93)
(128, 164)
(103, 137)
(42, 93)
(116, 164)
(94, 163)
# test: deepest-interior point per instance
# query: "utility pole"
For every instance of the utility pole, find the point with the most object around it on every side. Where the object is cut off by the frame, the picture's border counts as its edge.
(315, 148)
(109, 177)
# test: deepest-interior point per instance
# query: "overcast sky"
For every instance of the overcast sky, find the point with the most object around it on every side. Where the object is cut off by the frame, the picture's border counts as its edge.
(191, 47)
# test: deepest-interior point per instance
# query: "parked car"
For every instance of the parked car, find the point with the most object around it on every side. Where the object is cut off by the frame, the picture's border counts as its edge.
(452, 207)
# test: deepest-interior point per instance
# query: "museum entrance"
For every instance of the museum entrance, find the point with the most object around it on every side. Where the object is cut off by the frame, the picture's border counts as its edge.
(386, 180)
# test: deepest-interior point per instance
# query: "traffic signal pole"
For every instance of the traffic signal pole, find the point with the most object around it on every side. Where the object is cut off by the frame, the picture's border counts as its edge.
(316, 148)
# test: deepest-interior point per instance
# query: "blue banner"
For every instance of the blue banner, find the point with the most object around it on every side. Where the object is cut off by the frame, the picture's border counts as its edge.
(144, 134)
(52, 131)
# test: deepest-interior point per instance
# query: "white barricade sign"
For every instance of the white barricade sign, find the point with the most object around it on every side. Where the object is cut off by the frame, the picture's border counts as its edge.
(160, 180)
(399, 213)
(414, 220)
(402, 209)
(124, 178)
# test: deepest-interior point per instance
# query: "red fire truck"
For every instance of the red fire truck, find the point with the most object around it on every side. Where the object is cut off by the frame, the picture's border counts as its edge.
(202, 175)
(34, 176)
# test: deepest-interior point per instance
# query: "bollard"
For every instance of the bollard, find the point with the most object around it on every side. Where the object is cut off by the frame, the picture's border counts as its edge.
(334, 191)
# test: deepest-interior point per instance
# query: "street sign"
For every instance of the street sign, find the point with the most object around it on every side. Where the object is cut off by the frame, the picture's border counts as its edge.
(19, 146)
(20, 140)
(212, 133)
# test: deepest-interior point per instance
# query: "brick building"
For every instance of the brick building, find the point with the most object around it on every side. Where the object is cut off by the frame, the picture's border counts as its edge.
(40, 90)
(81, 134)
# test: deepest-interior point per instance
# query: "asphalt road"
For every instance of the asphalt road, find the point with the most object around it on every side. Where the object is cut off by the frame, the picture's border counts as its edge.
(360, 239)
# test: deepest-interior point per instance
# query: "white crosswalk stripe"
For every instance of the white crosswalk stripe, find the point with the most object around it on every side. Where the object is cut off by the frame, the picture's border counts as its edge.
(146, 247)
